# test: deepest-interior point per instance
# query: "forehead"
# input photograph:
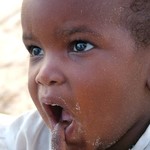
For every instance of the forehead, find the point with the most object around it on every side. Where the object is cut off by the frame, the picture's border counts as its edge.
(49, 16)
(74, 8)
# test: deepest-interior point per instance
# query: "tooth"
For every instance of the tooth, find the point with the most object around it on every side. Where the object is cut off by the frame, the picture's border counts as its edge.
(54, 105)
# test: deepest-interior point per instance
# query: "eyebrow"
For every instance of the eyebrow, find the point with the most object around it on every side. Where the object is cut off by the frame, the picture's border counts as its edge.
(65, 32)
(27, 36)
(74, 30)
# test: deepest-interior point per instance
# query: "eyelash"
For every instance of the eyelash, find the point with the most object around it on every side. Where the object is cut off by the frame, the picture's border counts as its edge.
(77, 46)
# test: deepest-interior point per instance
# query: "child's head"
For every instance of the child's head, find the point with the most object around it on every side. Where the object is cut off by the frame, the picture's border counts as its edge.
(90, 69)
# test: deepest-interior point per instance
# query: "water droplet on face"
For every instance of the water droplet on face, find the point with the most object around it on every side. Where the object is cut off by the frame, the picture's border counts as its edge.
(77, 107)
(97, 143)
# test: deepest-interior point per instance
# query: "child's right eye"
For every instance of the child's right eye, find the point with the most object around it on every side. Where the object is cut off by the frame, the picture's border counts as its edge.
(35, 51)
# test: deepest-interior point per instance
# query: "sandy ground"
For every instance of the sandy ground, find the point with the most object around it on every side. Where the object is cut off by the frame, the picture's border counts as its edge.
(14, 97)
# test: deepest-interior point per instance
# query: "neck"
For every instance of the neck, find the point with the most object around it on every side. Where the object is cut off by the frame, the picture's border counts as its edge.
(131, 137)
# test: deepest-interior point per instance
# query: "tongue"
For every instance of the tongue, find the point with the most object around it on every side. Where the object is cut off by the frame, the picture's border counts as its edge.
(58, 137)
(66, 117)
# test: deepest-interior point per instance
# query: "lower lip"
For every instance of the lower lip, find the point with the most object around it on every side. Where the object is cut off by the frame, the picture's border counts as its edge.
(70, 132)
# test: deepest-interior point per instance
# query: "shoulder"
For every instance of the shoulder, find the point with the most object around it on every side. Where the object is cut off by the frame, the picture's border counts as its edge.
(28, 132)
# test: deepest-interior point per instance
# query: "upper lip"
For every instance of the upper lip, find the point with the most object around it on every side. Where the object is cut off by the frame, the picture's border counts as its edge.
(56, 110)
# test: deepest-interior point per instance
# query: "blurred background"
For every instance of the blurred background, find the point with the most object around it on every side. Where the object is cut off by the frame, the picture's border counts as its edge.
(14, 97)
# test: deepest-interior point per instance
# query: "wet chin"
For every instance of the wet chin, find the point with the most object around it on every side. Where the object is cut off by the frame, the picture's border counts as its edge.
(97, 143)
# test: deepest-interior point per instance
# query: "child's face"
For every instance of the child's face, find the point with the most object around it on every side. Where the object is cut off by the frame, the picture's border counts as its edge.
(85, 73)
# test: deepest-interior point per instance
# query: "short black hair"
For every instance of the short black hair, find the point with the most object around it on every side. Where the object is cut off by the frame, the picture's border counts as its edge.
(138, 21)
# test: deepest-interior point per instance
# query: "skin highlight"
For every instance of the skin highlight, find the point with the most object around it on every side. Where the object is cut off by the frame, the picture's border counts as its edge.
(84, 60)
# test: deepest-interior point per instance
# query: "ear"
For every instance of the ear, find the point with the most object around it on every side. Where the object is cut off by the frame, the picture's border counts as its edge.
(148, 83)
(148, 76)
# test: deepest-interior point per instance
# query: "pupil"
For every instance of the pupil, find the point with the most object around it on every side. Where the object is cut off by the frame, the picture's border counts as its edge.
(81, 46)
(36, 51)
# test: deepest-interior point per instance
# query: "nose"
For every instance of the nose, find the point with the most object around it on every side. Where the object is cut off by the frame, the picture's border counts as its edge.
(50, 73)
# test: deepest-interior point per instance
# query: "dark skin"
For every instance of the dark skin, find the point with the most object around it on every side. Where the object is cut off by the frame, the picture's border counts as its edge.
(86, 77)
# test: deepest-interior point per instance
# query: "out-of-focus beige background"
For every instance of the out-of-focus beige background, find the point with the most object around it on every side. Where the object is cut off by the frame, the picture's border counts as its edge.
(14, 97)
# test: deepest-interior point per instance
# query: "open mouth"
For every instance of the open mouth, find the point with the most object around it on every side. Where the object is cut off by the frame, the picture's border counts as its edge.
(57, 114)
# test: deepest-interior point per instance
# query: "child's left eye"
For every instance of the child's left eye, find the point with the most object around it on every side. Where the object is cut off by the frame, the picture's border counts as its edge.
(82, 46)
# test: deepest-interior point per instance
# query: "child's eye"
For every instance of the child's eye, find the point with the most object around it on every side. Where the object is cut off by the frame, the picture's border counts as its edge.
(82, 46)
(35, 51)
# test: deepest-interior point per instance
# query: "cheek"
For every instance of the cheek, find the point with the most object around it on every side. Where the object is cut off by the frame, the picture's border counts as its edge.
(103, 102)
(33, 88)
(98, 109)
(34, 93)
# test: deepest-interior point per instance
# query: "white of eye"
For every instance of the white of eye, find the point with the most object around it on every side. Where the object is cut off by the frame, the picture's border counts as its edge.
(82, 46)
